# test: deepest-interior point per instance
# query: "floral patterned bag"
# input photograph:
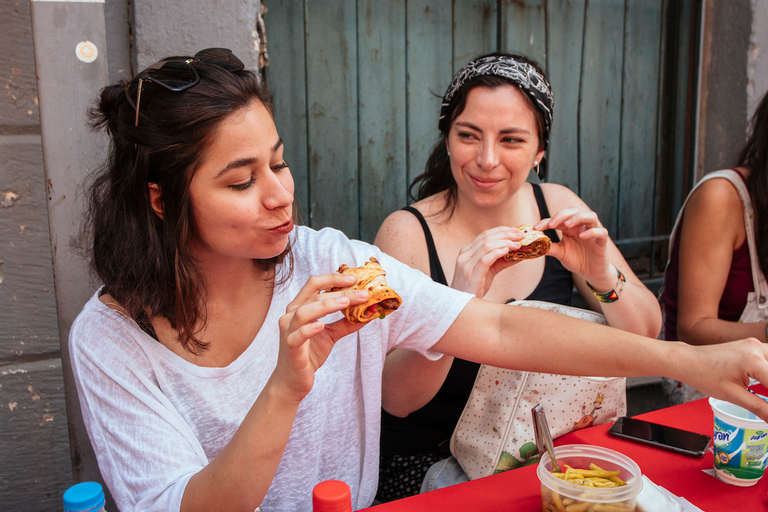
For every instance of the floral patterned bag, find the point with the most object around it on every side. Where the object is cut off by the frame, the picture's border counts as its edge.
(495, 430)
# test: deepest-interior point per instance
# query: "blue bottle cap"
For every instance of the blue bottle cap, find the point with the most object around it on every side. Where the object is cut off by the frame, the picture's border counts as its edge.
(85, 496)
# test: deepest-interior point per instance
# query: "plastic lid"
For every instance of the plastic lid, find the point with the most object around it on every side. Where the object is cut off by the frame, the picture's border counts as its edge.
(84, 496)
(331, 496)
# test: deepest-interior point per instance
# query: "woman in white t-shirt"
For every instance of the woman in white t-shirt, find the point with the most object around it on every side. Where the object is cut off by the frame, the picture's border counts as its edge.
(214, 371)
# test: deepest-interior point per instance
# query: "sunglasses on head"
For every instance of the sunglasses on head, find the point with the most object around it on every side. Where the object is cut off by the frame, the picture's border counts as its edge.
(179, 75)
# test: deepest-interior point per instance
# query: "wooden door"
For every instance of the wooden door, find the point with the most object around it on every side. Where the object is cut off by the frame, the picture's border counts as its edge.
(358, 86)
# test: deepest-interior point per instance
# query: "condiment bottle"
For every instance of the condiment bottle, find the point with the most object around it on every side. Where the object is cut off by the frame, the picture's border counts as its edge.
(84, 497)
(331, 496)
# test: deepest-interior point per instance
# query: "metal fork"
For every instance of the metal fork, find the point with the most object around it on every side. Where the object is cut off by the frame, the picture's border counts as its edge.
(543, 437)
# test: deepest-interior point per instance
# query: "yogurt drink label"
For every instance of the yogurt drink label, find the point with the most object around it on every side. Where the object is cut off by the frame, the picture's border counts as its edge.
(740, 451)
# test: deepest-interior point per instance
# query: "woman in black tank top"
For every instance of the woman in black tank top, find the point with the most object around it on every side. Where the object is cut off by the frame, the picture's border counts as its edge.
(494, 125)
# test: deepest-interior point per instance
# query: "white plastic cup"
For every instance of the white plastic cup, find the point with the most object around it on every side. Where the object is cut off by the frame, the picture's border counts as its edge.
(740, 444)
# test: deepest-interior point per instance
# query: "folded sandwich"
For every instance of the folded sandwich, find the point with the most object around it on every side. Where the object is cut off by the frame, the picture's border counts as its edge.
(534, 244)
(382, 299)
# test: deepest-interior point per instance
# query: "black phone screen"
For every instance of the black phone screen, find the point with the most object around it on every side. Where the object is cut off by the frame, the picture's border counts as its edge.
(675, 439)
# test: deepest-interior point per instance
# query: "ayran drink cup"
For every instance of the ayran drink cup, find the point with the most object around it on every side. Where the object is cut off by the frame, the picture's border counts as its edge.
(740, 444)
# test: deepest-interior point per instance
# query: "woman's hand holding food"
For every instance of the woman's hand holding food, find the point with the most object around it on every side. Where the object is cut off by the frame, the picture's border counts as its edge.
(601, 273)
(483, 258)
(305, 341)
(583, 248)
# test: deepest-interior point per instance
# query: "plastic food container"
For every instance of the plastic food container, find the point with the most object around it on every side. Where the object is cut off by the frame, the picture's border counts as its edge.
(557, 494)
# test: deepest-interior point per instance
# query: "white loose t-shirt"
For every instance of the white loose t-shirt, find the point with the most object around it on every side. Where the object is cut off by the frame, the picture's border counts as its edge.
(155, 419)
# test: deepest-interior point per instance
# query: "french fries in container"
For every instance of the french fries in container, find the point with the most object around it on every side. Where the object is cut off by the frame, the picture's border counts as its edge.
(593, 479)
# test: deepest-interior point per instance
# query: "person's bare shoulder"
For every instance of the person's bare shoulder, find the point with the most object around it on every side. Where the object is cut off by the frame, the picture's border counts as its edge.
(559, 197)
(718, 193)
(716, 207)
(402, 237)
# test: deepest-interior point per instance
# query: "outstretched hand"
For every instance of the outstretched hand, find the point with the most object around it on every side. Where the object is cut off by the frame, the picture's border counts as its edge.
(583, 248)
(480, 260)
(305, 341)
(724, 371)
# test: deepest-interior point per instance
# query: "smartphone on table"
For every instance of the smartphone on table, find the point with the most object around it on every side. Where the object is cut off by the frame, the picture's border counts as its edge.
(661, 436)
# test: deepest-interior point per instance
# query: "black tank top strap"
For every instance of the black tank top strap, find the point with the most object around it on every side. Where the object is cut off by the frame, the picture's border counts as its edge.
(544, 211)
(435, 268)
(426, 430)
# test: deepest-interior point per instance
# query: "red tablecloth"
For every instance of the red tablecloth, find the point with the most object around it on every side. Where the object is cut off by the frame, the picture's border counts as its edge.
(519, 490)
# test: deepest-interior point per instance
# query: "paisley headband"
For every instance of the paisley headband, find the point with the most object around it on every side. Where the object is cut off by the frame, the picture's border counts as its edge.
(521, 72)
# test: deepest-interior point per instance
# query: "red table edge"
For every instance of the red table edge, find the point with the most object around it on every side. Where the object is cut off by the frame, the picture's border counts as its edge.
(483, 494)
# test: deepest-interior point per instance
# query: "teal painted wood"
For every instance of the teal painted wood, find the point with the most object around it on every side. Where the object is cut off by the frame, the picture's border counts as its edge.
(565, 28)
(639, 119)
(331, 60)
(523, 29)
(475, 30)
(382, 114)
(674, 177)
(286, 77)
(600, 109)
(683, 181)
(358, 94)
(430, 69)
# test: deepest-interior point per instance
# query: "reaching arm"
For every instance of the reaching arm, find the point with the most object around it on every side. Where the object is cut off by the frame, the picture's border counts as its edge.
(712, 228)
(541, 341)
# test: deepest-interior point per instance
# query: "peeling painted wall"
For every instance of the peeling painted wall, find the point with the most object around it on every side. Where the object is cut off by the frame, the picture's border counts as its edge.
(733, 78)
(182, 28)
(757, 59)
(35, 467)
(723, 83)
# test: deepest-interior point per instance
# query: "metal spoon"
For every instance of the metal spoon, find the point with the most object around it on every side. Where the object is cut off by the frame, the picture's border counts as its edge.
(543, 437)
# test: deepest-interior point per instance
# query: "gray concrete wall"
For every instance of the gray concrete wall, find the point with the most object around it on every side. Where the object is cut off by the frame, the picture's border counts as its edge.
(68, 81)
(162, 29)
(722, 83)
(35, 465)
(38, 458)
(757, 60)
(733, 78)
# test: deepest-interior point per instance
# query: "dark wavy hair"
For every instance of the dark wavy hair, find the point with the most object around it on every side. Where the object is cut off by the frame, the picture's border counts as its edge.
(754, 156)
(437, 175)
(144, 260)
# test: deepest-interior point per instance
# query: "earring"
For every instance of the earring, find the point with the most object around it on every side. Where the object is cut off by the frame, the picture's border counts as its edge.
(536, 169)
(449, 153)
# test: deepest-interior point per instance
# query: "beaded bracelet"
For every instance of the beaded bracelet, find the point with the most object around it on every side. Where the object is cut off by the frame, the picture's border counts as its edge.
(610, 295)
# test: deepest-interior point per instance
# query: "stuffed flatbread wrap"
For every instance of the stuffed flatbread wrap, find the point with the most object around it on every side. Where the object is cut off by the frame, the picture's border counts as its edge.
(382, 299)
(534, 244)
